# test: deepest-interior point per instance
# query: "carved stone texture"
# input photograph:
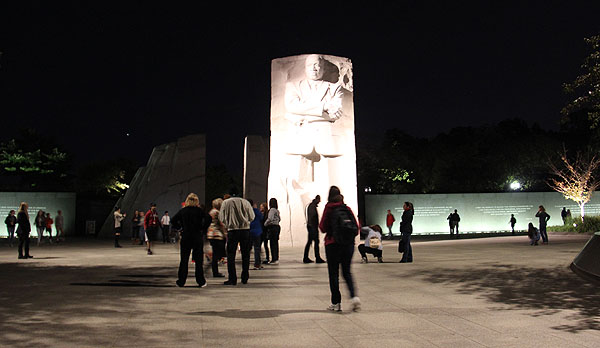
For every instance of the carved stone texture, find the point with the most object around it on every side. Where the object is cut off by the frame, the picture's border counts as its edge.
(312, 137)
(587, 263)
(173, 171)
(256, 168)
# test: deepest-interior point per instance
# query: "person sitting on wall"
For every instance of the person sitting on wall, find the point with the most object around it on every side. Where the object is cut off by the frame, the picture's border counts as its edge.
(372, 244)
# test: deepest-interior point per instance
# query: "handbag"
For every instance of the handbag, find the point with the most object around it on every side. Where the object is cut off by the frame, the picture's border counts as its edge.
(401, 246)
(374, 242)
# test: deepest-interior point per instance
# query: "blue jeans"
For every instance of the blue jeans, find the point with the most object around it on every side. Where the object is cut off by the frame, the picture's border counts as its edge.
(407, 255)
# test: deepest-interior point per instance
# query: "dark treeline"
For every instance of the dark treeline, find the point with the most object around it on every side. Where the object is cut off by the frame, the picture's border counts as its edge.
(465, 159)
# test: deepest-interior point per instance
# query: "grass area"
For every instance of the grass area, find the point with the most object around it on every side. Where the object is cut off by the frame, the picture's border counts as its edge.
(590, 224)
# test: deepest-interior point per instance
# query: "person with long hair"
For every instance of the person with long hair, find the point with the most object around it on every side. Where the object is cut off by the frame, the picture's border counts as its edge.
(337, 252)
(406, 230)
(23, 230)
(273, 230)
(533, 234)
(544, 217)
(193, 222)
(216, 237)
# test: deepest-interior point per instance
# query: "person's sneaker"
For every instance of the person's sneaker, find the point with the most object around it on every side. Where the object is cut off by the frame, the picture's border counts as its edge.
(149, 252)
(203, 285)
(229, 282)
(355, 301)
(320, 261)
(307, 261)
(274, 262)
(364, 260)
(335, 307)
(22, 257)
(179, 284)
(265, 262)
(380, 260)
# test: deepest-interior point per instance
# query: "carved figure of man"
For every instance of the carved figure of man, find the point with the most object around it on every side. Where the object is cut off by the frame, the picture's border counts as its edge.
(312, 105)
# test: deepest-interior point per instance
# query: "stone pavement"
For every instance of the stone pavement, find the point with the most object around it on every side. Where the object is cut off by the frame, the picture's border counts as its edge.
(490, 292)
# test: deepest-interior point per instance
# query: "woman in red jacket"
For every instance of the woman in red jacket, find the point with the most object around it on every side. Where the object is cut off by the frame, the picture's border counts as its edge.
(338, 252)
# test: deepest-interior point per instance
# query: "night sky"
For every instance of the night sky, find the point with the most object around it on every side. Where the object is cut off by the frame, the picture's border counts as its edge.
(90, 73)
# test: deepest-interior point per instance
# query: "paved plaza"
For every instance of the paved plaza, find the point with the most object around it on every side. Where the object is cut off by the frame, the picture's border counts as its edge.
(488, 292)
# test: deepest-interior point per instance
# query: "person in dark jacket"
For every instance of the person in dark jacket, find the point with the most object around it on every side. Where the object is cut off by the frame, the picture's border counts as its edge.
(406, 231)
(312, 225)
(11, 222)
(256, 232)
(193, 223)
(338, 254)
(23, 231)
(544, 217)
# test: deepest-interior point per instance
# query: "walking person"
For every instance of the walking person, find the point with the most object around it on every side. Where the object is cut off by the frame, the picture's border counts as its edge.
(165, 225)
(40, 225)
(236, 214)
(513, 222)
(544, 217)
(372, 245)
(11, 222)
(23, 231)
(265, 236)
(339, 251)
(49, 223)
(151, 223)
(193, 222)
(389, 222)
(256, 234)
(216, 237)
(118, 225)
(273, 230)
(312, 225)
(406, 231)
(59, 223)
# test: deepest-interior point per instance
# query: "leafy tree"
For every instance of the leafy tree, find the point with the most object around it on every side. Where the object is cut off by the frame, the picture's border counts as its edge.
(587, 87)
(576, 179)
(108, 178)
(33, 161)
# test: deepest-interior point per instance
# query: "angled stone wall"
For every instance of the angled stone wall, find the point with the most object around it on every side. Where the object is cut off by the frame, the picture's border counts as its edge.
(173, 171)
(256, 168)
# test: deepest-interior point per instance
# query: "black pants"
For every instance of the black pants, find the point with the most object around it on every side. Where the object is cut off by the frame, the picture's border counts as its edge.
(23, 242)
(256, 241)
(265, 240)
(194, 246)
(241, 237)
(273, 231)
(407, 255)
(165, 233)
(313, 236)
(218, 248)
(363, 250)
(339, 254)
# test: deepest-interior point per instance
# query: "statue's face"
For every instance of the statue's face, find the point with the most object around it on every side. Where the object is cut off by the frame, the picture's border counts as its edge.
(314, 67)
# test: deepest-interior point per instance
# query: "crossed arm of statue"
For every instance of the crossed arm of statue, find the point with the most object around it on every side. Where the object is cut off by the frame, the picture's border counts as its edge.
(307, 105)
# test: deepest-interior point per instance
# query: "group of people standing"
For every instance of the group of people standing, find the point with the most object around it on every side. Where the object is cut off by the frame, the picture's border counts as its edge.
(20, 224)
(144, 227)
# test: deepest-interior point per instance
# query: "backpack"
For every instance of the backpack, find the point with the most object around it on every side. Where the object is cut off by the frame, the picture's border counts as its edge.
(343, 225)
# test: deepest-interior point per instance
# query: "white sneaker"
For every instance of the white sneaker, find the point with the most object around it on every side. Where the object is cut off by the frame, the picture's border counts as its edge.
(274, 262)
(364, 260)
(335, 307)
(355, 301)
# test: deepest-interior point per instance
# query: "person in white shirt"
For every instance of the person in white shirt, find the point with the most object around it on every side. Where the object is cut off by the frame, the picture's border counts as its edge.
(165, 225)
(372, 244)
(118, 228)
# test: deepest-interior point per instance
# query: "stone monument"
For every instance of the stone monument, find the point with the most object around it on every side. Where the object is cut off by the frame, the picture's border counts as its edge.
(173, 171)
(312, 137)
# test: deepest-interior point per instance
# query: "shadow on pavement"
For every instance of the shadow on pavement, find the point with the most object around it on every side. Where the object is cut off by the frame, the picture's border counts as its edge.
(547, 290)
(256, 314)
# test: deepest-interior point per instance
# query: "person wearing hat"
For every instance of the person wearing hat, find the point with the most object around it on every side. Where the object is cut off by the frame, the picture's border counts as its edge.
(151, 223)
